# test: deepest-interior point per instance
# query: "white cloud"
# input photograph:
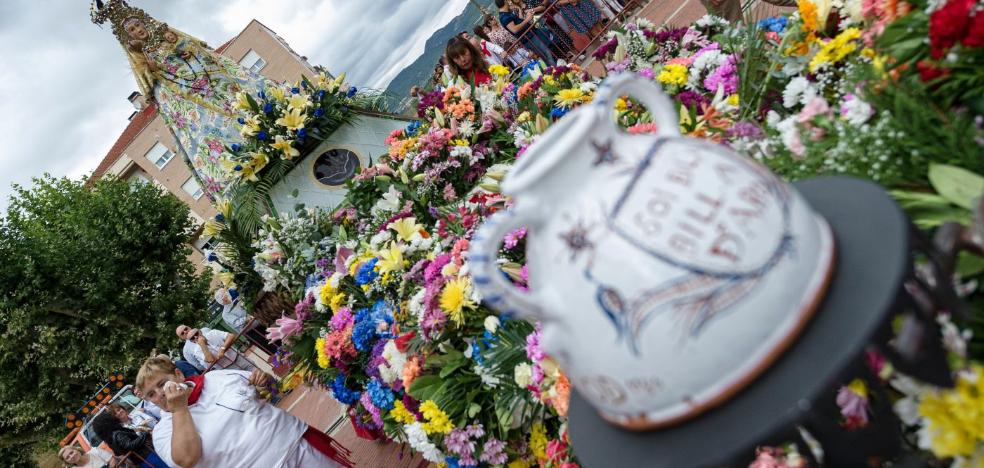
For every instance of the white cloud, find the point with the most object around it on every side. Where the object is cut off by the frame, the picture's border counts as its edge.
(63, 81)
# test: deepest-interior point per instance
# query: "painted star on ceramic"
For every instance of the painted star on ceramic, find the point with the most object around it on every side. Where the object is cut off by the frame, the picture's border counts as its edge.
(578, 239)
(603, 152)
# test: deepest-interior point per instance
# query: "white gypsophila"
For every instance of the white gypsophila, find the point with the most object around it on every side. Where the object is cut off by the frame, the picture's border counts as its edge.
(417, 438)
(855, 111)
(588, 87)
(772, 118)
(487, 377)
(389, 202)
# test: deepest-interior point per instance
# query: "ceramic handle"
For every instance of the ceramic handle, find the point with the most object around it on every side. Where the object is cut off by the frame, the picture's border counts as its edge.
(646, 91)
(497, 292)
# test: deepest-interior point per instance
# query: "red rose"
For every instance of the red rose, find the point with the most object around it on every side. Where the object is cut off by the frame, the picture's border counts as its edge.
(975, 33)
(404, 340)
(948, 25)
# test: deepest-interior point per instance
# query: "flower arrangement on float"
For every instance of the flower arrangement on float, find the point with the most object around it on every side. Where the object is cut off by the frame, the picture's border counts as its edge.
(388, 318)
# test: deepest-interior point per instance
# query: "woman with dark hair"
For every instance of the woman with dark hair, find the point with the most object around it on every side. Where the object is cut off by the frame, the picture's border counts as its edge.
(493, 54)
(123, 441)
(467, 61)
(524, 28)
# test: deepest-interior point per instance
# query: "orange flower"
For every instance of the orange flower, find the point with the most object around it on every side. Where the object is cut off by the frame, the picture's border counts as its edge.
(411, 370)
(525, 89)
(562, 401)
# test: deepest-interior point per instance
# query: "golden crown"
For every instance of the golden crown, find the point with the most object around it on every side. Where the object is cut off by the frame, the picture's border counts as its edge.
(117, 12)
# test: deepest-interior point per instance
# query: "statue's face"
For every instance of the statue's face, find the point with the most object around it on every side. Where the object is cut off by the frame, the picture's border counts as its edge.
(136, 29)
(169, 36)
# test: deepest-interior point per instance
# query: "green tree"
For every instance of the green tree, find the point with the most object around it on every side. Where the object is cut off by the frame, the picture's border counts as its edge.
(92, 278)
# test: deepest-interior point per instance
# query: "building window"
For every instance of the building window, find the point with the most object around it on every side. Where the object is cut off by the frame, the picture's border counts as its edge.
(192, 188)
(139, 178)
(159, 155)
(253, 62)
(336, 166)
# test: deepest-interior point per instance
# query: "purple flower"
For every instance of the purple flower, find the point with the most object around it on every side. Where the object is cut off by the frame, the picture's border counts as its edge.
(493, 453)
(725, 76)
(341, 319)
(745, 130)
(512, 238)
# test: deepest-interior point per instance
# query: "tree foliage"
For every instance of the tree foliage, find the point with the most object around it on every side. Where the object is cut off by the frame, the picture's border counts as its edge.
(91, 279)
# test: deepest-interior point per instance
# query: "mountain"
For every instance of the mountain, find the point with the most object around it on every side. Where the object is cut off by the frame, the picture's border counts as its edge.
(419, 72)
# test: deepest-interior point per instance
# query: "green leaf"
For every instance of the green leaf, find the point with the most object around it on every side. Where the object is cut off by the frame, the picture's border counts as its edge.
(474, 409)
(958, 185)
(969, 264)
(425, 386)
(451, 367)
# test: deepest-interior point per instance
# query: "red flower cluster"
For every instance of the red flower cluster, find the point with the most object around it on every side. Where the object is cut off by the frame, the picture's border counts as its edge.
(951, 24)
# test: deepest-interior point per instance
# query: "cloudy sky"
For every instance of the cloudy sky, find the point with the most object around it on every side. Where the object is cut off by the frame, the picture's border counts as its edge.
(64, 81)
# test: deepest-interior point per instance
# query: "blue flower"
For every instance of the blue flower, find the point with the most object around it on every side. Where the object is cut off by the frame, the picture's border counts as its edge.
(301, 132)
(381, 312)
(363, 334)
(268, 108)
(235, 147)
(319, 112)
(261, 136)
(241, 121)
(321, 94)
(342, 393)
(219, 217)
(477, 353)
(413, 127)
(366, 272)
(381, 396)
(351, 91)
(212, 257)
(238, 167)
(452, 462)
(262, 94)
(295, 90)
(558, 112)
(304, 84)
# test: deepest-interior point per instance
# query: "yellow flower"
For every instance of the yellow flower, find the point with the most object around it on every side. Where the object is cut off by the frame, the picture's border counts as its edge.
(227, 278)
(298, 101)
(674, 74)
(390, 259)
(549, 79)
(405, 228)
(518, 464)
(319, 346)
(621, 105)
(454, 298)
(567, 98)
(858, 387)
(250, 127)
(955, 418)
(292, 119)
(808, 18)
(242, 103)
(401, 414)
(327, 293)
(223, 206)
(499, 70)
(836, 49)
(437, 419)
(259, 161)
(277, 93)
(538, 441)
(287, 146)
(733, 100)
(337, 302)
(523, 117)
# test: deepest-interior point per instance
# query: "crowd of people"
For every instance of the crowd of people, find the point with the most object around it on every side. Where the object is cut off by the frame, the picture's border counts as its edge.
(202, 409)
(523, 30)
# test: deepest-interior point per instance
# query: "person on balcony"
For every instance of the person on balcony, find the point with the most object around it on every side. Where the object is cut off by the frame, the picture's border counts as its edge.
(532, 37)
(94, 458)
(583, 16)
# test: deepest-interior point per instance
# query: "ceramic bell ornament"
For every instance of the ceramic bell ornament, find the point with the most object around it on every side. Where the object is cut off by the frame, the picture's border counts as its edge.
(668, 272)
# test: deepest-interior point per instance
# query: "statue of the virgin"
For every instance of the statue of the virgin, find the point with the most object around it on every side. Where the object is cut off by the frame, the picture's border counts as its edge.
(194, 87)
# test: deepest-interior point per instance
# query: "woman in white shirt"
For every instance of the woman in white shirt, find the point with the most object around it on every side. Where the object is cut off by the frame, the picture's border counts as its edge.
(95, 458)
(216, 420)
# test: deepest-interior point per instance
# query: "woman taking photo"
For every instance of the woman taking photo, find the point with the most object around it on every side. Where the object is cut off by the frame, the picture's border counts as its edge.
(530, 36)
(467, 61)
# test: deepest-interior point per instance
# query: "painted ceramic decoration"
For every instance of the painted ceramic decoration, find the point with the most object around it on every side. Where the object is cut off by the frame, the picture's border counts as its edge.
(668, 272)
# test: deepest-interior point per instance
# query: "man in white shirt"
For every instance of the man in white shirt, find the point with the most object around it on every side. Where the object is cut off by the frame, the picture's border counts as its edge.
(216, 420)
(206, 346)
